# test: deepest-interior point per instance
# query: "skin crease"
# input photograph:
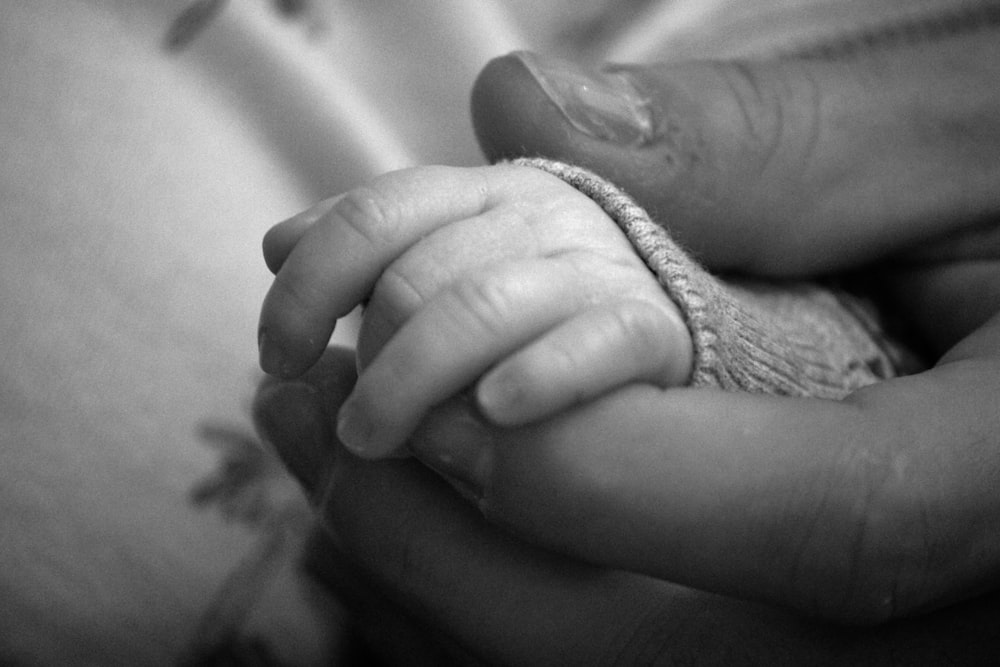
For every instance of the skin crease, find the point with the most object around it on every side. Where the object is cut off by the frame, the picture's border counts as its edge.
(880, 510)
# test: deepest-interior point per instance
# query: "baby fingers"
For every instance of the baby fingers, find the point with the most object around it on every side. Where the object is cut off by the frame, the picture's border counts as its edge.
(328, 259)
(281, 239)
(597, 351)
(457, 336)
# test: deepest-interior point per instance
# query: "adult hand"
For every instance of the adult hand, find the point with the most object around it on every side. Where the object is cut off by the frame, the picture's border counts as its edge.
(863, 510)
(430, 582)
(879, 506)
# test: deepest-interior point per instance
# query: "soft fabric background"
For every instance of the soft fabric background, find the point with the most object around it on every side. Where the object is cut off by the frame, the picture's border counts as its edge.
(136, 184)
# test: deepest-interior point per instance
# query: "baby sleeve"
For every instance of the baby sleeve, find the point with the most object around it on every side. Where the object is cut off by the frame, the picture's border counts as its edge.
(788, 338)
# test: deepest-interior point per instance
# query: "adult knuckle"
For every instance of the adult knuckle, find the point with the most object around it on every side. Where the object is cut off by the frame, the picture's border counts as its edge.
(640, 637)
(656, 635)
(755, 105)
(893, 558)
(407, 565)
(775, 104)
(866, 556)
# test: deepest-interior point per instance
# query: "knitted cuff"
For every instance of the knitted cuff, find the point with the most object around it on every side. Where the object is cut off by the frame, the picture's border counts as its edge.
(795, 339)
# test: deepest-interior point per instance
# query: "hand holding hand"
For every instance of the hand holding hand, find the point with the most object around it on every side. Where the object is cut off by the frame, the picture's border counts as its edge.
(503, 277)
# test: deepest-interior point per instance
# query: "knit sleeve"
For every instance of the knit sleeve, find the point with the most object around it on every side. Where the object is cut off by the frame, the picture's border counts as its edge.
(796, 339)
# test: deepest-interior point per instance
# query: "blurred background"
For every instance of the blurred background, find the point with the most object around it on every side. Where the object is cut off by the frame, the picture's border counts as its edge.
(145, 148)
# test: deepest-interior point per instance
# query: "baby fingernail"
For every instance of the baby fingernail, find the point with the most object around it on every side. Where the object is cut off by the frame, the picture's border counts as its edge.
(497, 399)
(271, 358)
(354, 428)
(603, 103)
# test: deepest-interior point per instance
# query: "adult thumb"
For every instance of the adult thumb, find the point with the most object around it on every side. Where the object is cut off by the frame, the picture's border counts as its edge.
(779, 167)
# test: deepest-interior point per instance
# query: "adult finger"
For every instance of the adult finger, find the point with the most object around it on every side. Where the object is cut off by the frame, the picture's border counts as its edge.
(942, 302)
(396, 526)
(775, 167)
(302, 412)
(600, 349)
(402, 546)
(335, 263)
(505, 602)
(382, 631)
(862, 510)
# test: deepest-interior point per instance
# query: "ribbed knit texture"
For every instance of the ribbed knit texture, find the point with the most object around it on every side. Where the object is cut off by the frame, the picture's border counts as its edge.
(795, 339)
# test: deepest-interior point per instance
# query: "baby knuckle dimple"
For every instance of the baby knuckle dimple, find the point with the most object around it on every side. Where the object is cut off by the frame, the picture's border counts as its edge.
(644, 325)
(639, 318)
(561, 359)
(296, 294)
(368, 212)
(393, 301)
(397, 294)
(489, 300)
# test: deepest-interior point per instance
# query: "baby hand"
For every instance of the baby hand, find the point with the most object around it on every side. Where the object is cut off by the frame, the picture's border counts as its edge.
(503, 277)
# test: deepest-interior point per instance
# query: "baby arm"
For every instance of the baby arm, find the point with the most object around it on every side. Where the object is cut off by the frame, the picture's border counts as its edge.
(502, 278)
